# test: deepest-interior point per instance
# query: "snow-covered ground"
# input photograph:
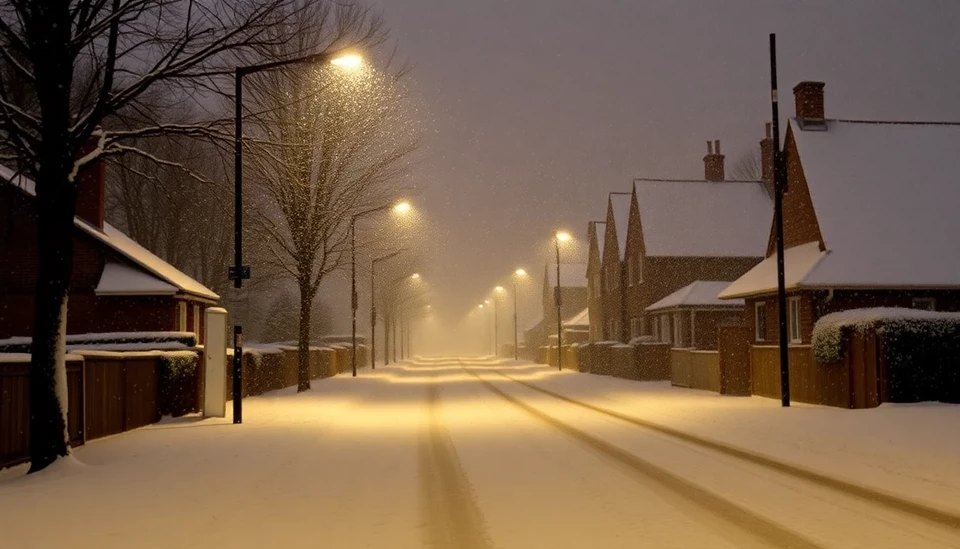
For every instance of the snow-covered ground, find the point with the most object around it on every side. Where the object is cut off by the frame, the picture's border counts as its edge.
(450, 453)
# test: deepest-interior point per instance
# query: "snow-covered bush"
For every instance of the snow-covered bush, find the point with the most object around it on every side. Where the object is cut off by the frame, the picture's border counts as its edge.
(891, 323)
(178, 364)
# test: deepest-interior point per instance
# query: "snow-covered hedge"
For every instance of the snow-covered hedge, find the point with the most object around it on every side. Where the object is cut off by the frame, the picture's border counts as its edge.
(891, 323)
(178, 364)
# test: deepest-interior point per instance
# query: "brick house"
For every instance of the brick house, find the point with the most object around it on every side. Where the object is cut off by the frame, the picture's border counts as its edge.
(595, 278)
(612, 321)
(117, 285)
(692, 314)
(869, 220)
(684, 232)
(573, 291)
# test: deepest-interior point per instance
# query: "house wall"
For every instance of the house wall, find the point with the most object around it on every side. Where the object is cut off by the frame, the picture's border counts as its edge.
(800, 224)
(87, 312)
(612, 298)
(815, 304)
(595, 290)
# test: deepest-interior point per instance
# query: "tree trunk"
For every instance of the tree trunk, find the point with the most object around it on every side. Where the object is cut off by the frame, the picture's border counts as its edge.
(303, 340)
(48, 373)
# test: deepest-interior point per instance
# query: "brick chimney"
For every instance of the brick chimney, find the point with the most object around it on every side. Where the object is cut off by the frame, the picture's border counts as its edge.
(809, 100)
(713, 162)
(92, 186)
(766, 156)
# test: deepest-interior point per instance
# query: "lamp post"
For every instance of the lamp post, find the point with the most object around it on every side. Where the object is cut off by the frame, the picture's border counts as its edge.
(560, 236)
(518, 274)
(497, 292)
(402, 207)
(390, 321)
(373, 306)
(239, 272)
(779, 182)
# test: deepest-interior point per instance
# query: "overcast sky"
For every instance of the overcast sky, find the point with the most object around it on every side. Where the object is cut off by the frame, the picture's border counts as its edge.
(535, 109)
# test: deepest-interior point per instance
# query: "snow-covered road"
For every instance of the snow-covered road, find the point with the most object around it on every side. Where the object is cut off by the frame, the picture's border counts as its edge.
(483, 453)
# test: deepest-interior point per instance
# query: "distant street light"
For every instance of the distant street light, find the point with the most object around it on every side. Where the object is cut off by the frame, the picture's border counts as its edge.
(517, 275)
(400, 208)
(560, 236)
(240, 272)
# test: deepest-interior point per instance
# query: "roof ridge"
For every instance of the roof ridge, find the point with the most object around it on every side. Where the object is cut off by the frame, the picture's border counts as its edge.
(670, 180)
(897, 122)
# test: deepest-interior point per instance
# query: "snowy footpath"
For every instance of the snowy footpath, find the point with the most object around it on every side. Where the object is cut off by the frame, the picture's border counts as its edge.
(471, 453)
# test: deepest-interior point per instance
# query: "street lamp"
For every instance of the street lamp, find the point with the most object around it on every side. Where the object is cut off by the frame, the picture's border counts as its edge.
(390, 322)
(400, 208)
(560, 236)
(517, 275)
(497, 292)
(373, 305)
(239, 272)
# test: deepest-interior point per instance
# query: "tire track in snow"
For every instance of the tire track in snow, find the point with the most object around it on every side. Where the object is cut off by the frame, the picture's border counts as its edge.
(897, 503)
(451, 515)
(749, 526)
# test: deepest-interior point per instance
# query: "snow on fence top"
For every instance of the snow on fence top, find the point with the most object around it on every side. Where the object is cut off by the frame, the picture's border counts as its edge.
(116, 341)
(828, 332)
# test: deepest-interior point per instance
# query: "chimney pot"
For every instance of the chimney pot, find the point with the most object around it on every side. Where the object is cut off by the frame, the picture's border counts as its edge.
(713, 169)
(809, 100)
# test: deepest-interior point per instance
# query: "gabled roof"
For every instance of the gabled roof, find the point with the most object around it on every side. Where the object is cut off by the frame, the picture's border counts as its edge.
(113, 238)
(600, 229)
(885, 196)
(579, 320)
(690, 218)
(120, 279)
(620, 204)
(700, 293)
(798, 263)
(572, 275)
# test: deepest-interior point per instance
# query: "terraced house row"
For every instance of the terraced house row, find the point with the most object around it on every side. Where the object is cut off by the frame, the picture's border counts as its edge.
(684, 271)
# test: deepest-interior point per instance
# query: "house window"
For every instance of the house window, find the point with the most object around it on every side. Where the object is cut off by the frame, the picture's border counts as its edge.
(613, 279)
(196, 320)
(677, 330)
(924, 303)
(656, 329)
(181, 316)
(793, 310)
(611, 329)
(634, 327)
(760, 321)
(629, 272)
(665, 328)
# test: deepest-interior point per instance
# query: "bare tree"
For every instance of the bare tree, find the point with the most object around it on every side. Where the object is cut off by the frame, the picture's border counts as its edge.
(69, 66)
(331, 143)
(748, 167)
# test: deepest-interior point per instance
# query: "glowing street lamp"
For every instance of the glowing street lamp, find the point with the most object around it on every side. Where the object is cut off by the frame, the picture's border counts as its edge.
(238, 272)
(497, 292)
(399, 208)
(519, 274)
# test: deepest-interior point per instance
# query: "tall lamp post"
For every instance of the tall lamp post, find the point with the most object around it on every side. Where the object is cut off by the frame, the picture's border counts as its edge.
(402, 207)
(239, 272)
(518, 274)
(373, 305)
(560, 236)
(497, 292)
(779, 182)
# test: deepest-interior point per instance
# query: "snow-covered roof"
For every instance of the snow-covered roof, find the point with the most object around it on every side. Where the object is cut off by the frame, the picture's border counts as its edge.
(572, 275)
(578, 320)
(700, 293)
(686, 218)
(620, 204)
(600, 229)
(119, 279)
(532, 325)
(886, 197)
(112, 237)
(798, 262)
(115, 239)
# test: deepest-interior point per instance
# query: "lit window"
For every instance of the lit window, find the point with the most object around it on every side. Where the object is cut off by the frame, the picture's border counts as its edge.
(794, 319)
(760, 321)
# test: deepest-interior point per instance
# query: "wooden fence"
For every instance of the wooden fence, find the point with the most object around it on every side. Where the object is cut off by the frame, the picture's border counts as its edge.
(733, 344)
(809, 382)
(695, 369)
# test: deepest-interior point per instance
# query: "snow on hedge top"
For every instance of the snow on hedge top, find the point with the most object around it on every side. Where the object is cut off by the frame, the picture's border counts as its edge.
(122, 243)
(572, 275)
(578, 320)
(119, 279)
(620, 206)
(683, 218)
(699, 293)
(827, 337)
